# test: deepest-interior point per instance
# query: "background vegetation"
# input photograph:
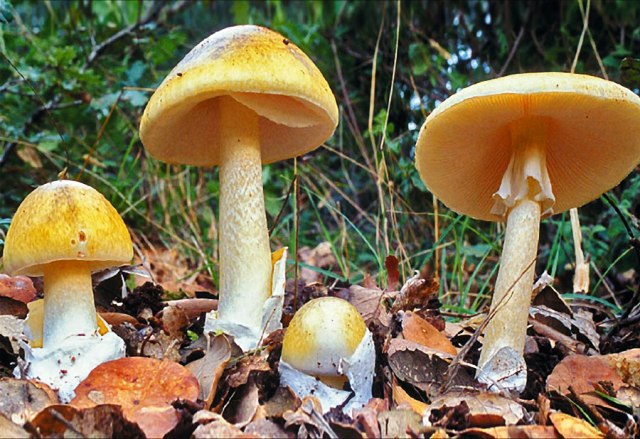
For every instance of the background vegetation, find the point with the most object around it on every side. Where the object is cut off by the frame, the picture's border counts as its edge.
(75, 77)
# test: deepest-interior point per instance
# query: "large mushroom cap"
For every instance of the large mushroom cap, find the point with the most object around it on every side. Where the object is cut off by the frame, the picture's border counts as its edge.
(322, 332)
(65, 220)
(260, 69)
(592, 138)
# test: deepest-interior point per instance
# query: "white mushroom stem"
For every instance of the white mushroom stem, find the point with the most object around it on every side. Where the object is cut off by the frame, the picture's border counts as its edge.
(512, 295)
(525, 192)
(245, 257)
(69, 308)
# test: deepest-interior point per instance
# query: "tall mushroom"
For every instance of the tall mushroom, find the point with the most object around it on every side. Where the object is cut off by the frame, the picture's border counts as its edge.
(63, 231)
(243, 97)
(516, 149)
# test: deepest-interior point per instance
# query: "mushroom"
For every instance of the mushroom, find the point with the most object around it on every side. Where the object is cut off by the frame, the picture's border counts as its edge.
(516, 149)
(243, 97)
(63, 231)
(327, 340)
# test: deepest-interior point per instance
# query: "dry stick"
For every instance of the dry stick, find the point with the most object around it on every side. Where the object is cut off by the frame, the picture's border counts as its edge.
(581, 273)
(297, 233)
(457, 361)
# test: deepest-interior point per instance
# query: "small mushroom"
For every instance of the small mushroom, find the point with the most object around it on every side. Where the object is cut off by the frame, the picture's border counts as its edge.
(241, 98)
(63, 231)
(516, 149)
(327, 340)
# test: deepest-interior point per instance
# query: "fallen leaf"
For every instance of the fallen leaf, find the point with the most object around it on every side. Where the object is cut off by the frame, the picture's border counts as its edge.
(209, 368)
(513, 432)
(415, 328)
(369, 303)
(418, 365)
(244, 368)
(104, 420)
(144, 387)
(12, 430)
(393, 274)
(400, 396)
(265, 428)
(486, 409)
(399, 423)
(415, 293)
(242, 408)
(367, 416)
(17, 287)
(321, 257)
(21, 400)
(583, 373)
(284, 399)
(569, 427)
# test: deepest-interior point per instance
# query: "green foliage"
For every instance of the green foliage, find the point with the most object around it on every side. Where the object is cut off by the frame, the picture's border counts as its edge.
(94, 64)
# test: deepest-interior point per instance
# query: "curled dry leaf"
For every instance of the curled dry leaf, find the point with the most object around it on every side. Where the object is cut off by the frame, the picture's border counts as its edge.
(104, 420)
(242, 408)
(144, 387)
(17, 287)
(245, 367)
(417, 329)
(209, 368)
(393, 274)
(20, 400)
(265, 428)
(400, 397)
(486, 409)
(583, 373)
(513, 431)
(367, 416)
(369, 303)
(415, 293)
(399, 423)
(568, 426)
(284, 399)
(12, 430)
(415, 364)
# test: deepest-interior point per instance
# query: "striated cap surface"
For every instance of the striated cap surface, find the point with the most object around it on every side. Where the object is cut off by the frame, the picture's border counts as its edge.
(65, 220)
(260, 69)
(592, 138)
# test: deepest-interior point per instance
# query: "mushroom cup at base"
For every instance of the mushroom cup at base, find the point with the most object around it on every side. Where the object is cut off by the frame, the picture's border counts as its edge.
(64, 366)
(249, 338)
(359, 369)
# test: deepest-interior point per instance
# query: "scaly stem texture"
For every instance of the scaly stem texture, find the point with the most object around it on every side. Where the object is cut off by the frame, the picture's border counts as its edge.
(512, 295)
(245, 257)
(69, 308)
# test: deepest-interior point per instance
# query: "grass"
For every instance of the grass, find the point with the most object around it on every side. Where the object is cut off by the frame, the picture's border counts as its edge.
(359, 192)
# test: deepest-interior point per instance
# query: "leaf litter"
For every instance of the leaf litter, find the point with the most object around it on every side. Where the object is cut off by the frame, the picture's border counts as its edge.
(581, 381)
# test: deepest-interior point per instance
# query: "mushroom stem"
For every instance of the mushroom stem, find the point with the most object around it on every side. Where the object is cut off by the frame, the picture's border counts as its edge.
(512, 295)
(245, 258)
(68, 301)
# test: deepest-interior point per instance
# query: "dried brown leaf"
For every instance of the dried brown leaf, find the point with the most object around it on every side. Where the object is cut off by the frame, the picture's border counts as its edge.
(100, 421)
(265, 428)
(513, 432)
(415, 328)
(486, 409)
(209, 368)
(415, 294)
(21, 400)
(246, 366)
(418, 365)
(19, 288)
(568, 426)
(321, 257)
(400, 396)
(393, 273)
(399, 423)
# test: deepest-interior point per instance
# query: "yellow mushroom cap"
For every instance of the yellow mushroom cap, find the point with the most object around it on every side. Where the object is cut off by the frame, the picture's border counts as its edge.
(592, 138)
(322, 332)
(65, 220)
(258, 68)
